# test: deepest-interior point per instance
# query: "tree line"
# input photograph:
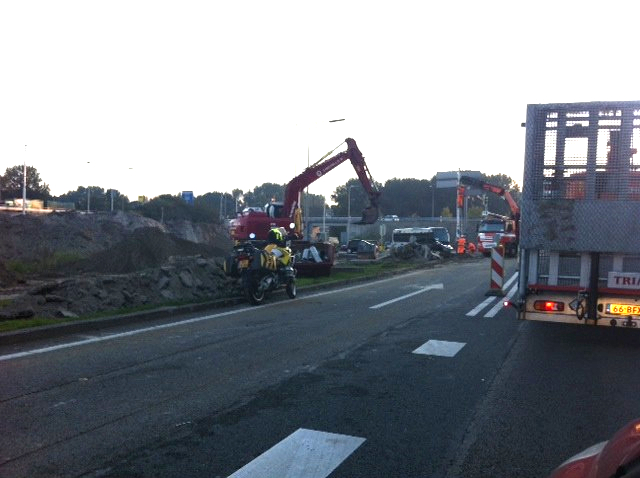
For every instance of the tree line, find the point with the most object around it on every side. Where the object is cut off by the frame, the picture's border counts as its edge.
(404, 197)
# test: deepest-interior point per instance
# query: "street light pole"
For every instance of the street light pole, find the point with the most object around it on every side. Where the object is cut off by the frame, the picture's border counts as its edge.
(88, 195)
(324, 220)
(349, 212)
(24, 183)
(123, 195)
(306, 209)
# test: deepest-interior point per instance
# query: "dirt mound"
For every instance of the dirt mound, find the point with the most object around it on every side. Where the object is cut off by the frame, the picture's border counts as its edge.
(75, 263)
(146, 248)
(64, 243)
(7, 279)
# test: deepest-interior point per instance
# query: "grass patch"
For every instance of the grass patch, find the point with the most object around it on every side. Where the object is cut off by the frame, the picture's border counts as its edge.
(19, 267)
(48, 261)
(58, 259)
(21, 324)
(358, 271)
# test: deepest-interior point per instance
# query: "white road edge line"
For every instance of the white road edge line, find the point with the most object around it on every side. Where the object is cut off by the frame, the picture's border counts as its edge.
(131, 333)
(303, 454)
(424, 289)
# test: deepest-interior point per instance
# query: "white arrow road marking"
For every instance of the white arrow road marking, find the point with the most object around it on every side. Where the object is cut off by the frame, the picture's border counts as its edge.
(423, 289)
(303, 454)
(440, 348)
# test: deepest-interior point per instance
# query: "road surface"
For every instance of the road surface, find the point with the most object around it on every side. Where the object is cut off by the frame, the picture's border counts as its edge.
(420, 375)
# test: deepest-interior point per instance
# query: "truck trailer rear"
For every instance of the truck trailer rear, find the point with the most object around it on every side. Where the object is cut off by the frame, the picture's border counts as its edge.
(580, 214)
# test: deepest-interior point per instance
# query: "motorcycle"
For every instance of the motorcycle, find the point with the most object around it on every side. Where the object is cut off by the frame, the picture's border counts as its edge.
(617, 457)
(260, 272)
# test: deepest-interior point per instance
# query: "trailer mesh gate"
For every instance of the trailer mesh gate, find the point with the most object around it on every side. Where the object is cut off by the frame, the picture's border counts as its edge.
(582, 178)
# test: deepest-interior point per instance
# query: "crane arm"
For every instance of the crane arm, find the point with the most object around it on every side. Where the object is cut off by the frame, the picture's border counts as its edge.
(500, 191)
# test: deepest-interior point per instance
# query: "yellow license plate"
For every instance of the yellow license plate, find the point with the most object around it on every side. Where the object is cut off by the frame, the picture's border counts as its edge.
(623, 309)
(243, 264)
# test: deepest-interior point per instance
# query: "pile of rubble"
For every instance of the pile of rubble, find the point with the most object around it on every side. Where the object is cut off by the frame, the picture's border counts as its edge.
(181, 279)
(113, 262)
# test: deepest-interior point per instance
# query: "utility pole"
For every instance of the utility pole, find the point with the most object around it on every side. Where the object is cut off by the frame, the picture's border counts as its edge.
(24, 183)
(88, 194)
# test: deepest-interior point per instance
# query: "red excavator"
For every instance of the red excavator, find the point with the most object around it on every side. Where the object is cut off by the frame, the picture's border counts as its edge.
(495, 228)
(254, 223)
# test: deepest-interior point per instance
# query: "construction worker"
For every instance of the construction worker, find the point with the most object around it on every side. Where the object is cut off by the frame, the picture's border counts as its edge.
(276, 246)
(462, 242)
(472, 248)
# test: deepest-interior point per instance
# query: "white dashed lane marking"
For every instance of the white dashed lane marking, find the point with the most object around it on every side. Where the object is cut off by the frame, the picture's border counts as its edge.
(303, 454)
(440, 348)
(490, 300)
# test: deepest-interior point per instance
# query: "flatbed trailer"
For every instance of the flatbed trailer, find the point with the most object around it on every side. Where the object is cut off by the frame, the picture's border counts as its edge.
(580, 214)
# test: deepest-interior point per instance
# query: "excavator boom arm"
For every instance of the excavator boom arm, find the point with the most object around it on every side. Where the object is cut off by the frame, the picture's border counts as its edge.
(312, 173)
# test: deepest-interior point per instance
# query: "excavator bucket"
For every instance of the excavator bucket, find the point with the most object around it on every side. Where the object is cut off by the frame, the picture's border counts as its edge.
(369, 215)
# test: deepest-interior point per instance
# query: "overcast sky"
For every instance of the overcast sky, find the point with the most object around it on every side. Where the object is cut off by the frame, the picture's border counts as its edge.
(157, 97)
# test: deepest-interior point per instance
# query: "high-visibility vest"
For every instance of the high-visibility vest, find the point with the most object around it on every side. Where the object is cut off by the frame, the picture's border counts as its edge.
(461, 244)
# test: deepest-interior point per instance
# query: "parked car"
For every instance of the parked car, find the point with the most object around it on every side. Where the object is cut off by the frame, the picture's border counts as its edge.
(390, 217)
(352, 246)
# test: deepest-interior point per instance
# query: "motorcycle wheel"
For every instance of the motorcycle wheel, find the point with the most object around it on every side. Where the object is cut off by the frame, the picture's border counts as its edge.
(254, 295)
(291, 289)
(252, 292)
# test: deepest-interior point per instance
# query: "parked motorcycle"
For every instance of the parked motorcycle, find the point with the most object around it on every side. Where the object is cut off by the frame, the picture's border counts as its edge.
(260, 272)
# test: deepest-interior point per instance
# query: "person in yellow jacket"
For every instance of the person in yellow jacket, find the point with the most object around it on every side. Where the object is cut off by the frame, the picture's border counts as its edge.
(276, 246)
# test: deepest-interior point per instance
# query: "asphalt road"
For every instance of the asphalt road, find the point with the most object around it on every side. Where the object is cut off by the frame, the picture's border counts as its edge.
(420, 375)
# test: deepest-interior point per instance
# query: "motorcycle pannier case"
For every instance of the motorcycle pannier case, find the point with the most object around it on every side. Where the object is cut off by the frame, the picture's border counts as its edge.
(264, 260)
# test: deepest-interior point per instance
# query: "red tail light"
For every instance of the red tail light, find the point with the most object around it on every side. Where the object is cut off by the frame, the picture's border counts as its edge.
(548, 306)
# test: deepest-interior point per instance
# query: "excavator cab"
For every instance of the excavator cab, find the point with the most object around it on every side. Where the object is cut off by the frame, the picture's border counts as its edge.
(274, 209)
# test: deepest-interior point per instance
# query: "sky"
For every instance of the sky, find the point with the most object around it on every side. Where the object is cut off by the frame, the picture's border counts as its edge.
(158, 97)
